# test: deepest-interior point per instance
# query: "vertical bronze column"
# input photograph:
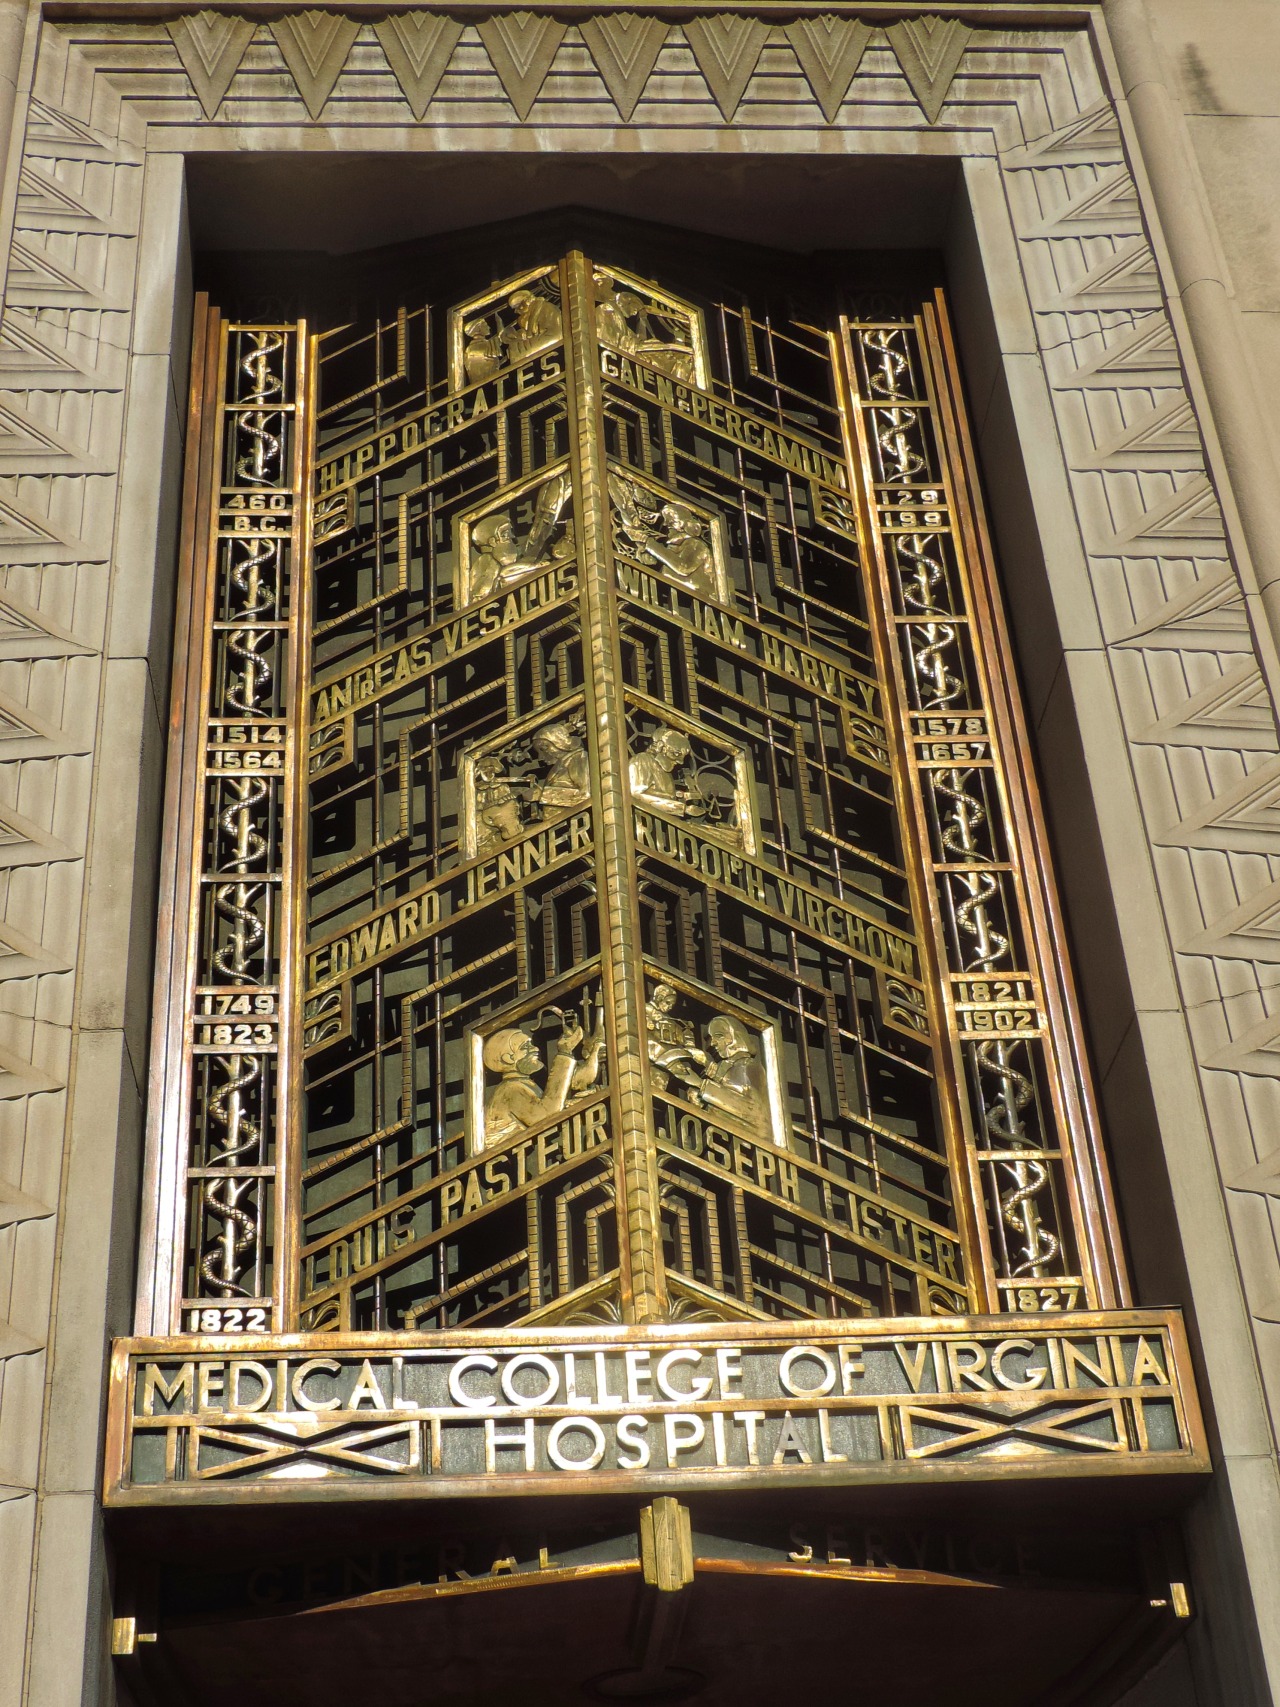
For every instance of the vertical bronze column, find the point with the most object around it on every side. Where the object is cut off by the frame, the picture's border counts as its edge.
(296, 839)
(957, 1122)
(639, 1228)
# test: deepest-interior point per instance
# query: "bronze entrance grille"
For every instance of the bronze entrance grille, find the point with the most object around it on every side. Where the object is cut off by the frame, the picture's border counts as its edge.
(614, 1015)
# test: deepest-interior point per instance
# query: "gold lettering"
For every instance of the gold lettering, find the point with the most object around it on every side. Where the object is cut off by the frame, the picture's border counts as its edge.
(1030, 1377)
(210, 1378)
(966, 1360)
(912, 1362)
(851, 1366)
(236, 1400)
(298, 1384)
(829, 1453)
(1146, 1363)
(178, 1391)
(1074, 1360)
(367, 1389)
(789, 1441)
(749, 1422)
(684, 1431)
(631, 1435)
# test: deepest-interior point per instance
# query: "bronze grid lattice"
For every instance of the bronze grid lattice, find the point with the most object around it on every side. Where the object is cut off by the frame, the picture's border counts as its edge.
(615, 886)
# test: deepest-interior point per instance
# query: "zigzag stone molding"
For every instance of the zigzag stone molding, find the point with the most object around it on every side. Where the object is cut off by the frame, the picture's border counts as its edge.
(624, 47)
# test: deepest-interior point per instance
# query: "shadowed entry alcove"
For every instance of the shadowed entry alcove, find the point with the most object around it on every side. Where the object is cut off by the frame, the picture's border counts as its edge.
(918, 214)
(603, 668)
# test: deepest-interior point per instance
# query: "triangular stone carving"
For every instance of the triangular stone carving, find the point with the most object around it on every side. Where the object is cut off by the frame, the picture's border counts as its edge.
(211, 46)
(14, 1343)
(1147, 353)
(21, 1078)
(625, 48)
(315, 46)
(22, 958)
(1209, 616)
(36, 280)
(26, 448)
(28, 633)
(1189, 517)
(25, 843)
(28, 538)
(44, 204)
(24, 734)
(1254, 1051)
(17, 1205)
(1263, 1176)
(1164, 437)
(1128, 280)
(22, 738)
(521, 46)
(31, 361)
(1245, 816)
(1081, 141)
(727, 47)
(71, 139)
(1250, 931)
(1236, 709)
(830, 51)
(929, 50)
(1111, 206)
(418, 46)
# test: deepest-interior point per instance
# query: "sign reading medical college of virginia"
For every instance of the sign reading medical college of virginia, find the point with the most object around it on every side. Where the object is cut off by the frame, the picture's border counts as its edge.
(552, 1411)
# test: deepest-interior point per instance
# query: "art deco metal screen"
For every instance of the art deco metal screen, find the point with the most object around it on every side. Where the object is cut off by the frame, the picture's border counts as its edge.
(608, 880)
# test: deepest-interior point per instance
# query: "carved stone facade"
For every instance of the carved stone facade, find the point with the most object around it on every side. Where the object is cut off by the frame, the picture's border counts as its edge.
(1162, 678)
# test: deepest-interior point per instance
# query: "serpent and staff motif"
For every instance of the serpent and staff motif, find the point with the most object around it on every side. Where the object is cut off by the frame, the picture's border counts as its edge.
(259, 463)
(232, 1109)
(238, 1136)
(936, 663)
(236, 901)
(255, 576)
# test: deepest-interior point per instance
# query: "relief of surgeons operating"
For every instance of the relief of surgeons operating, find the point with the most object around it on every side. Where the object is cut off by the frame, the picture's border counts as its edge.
(659, 942)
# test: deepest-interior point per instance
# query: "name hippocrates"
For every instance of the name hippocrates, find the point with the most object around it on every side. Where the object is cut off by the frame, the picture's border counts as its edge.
(416, 432)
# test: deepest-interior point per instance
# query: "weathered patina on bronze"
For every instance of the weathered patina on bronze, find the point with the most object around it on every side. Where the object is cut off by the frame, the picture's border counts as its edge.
(618, 1031)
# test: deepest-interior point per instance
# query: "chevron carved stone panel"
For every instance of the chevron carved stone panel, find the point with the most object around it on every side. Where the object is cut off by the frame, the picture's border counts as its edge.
(522, 46)
(212, 47)
(929, 50)
(418, 46)
(1187, 678)
(829, 50)
(625, 48)
(315, 46)
(64, 363)
(224, 59)
(727, 47)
